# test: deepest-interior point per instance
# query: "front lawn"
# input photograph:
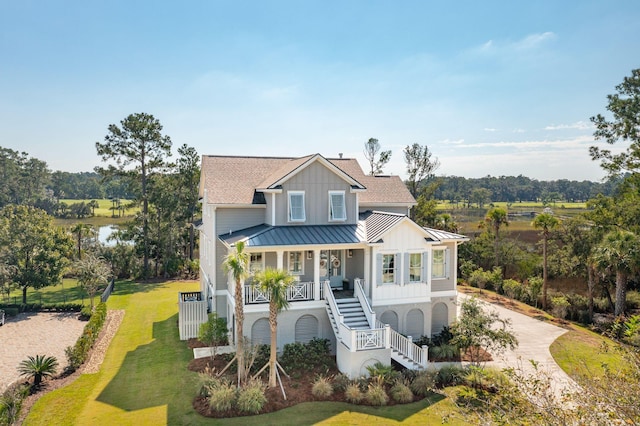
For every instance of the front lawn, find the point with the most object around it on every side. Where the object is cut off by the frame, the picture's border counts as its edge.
(144, 378)
(68, 291)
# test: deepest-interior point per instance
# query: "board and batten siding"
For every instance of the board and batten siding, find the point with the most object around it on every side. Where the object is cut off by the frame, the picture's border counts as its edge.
(316, 181)
(235, 219)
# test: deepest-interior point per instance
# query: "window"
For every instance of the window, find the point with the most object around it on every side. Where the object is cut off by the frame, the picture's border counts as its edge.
(255, 263)
(296, 263)
(337, 208)
(439, 264)
(415, 267)
(388, 269)
(296, 206)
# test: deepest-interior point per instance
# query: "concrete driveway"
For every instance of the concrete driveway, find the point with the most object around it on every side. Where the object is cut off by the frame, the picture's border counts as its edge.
(534, 338)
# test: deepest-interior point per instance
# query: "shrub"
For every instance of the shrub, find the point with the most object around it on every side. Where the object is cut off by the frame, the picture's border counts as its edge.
(449, 375)
(322, 387)
(385, 373)
(38, 367)
(214, 331)
(633, 300)
(512, 289)
(78, 354)
(222, 396)
(206, 381)
(560, 306)
(340, 382)
(11, 404)
(534, 287)
(401, 393)
(376, 395)
(251, 398)
(353, 394)
(423, 383)
(444, 351)
(86, 312)
(306, 356)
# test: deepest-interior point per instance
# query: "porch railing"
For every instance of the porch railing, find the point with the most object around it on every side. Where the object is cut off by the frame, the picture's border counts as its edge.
(405, 346)
(300, 291)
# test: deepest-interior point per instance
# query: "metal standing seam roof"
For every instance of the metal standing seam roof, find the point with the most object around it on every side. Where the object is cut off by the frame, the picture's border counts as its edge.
(378, 223)
(440, 235)
(265, 235)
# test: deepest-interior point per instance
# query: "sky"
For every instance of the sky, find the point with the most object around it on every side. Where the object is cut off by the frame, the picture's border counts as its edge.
(491, 87)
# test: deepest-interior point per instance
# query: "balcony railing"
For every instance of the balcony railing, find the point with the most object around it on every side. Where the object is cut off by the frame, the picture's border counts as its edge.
(300, 291)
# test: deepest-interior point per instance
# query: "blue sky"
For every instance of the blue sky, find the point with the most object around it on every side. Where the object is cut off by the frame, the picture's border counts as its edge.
(493, 88)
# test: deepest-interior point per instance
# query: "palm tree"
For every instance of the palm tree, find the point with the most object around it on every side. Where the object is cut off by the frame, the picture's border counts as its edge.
(274, 282)
(618, 252)
(80, 229)
(237, 263)
(496, 217)
(546, 222)
(38, 367)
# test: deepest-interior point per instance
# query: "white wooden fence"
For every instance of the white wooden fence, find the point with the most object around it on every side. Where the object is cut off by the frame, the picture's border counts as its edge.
(191, 313)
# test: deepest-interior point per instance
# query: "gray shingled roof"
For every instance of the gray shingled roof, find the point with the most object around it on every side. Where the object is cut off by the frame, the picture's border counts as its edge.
(233, 180)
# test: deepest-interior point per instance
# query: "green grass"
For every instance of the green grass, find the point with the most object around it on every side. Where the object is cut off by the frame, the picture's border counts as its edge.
(104, 206)
(66, 292)
(144, 379)
(581, 354)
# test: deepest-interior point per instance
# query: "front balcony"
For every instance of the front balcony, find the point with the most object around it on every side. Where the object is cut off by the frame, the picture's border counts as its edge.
(298, 292)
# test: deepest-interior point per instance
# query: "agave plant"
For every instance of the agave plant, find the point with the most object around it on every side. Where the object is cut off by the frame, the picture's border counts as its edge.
(38, 367)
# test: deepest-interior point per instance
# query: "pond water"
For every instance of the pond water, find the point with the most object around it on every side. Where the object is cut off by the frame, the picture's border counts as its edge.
(103, 234)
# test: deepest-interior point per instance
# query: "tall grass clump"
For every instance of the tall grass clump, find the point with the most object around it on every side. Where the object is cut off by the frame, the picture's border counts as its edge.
(322, 387)
(251, 398)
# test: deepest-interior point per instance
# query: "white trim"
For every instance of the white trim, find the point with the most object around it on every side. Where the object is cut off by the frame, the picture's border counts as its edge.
(304, 214)
(273, 209)
(331, 207)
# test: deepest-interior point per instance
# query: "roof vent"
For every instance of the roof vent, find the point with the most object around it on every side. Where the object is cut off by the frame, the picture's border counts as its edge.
(340, 155)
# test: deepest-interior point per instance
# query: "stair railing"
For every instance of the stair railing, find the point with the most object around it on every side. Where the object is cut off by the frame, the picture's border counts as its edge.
(358, 292)
(405, 347)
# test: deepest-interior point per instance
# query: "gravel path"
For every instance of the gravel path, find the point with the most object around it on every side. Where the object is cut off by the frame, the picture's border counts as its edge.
(31, 334)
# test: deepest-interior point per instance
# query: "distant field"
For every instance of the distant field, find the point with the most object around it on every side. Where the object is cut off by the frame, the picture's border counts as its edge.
(105, 206)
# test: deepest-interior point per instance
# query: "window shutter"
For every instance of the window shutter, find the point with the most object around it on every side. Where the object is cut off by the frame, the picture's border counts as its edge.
(447, 253)
(306, 329)
(378, 269)
(260, 332)
(396, 269)
(425, 267)
(407, 262)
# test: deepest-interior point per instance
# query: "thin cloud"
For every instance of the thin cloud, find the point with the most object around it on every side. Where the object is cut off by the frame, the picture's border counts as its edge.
(452, 142)
(560, 144)
(489, 129)
(529, 42)
(580, 125)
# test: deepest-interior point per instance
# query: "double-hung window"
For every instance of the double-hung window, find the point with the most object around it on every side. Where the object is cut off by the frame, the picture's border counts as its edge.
(337, 207)
(388, 269)
(296, 206)
(415, 267)
(296, 263)
(256, 263)
(439, 264)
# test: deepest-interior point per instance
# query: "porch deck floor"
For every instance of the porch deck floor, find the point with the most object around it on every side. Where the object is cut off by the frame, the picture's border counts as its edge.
(343, 294)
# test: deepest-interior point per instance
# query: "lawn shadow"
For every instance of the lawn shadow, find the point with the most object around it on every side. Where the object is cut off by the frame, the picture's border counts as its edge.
(146, 377)
(124, 288)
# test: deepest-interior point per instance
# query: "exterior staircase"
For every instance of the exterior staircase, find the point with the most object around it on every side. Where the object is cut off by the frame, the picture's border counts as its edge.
(355, 325)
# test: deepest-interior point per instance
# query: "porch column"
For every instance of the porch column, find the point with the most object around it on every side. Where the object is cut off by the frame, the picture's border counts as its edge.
(280, 259)
(368, 277)
(316, 274)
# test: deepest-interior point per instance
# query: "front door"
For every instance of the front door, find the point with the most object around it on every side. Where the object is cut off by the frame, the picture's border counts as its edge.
(331, 267)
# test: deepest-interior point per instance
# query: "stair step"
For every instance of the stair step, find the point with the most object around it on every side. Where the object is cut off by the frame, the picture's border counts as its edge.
(349, 300)
(352, 311)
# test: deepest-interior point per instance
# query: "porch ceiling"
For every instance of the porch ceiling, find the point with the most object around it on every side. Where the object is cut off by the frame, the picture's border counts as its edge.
(264, 235)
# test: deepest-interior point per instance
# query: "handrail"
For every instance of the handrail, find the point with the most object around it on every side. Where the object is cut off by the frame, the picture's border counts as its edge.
(406, 347)
(333, 306)
(358, 292)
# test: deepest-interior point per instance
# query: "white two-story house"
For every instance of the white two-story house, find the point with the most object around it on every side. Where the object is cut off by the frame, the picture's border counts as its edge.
(369, 278)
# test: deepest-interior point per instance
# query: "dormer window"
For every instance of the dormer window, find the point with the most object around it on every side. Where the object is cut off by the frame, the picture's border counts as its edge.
(296, 206)
(337, 208)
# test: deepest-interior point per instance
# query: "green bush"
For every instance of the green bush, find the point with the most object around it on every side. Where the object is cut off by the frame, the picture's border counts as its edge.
(77, 354)
(251, 398)
(401, 393)
(322, 387)
(11, 402)
(353, 394)
(307, 356)
(560, 306)
(340, 382)
(376, 395)
(423, 383)
(533, 289)
(214, 331)
(449, 375)
(512, 289)
(206, 381)
(222, 396)
(385, 373)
